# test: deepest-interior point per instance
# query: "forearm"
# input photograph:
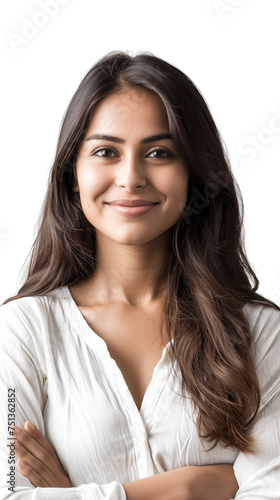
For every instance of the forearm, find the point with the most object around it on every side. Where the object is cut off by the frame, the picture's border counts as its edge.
(168, 485)
(209, 482)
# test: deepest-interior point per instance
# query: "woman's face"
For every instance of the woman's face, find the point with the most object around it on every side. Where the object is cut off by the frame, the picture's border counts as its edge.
(130, 165)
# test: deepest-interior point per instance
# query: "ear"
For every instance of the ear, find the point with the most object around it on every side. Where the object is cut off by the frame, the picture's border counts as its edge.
(75, 188)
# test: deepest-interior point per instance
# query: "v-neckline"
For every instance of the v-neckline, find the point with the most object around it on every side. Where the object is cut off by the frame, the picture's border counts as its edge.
(91, 336)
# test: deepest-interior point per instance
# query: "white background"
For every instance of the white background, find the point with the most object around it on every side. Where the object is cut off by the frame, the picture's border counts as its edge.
(230, 49)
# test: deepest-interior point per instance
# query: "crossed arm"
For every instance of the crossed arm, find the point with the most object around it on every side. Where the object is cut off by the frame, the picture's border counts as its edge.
(257, 477)
(42, 467)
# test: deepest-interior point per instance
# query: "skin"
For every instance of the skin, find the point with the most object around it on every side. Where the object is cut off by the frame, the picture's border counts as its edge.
(131, 254)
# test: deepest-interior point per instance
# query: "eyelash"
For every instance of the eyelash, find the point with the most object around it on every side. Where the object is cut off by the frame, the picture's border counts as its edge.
(154, 150)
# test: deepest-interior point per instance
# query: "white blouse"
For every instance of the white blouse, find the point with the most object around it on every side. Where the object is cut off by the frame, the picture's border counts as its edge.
(68, 385)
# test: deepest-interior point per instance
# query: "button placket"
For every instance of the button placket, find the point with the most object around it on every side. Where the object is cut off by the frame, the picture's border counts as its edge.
(120, 383)
(136, 421)
(152, 398)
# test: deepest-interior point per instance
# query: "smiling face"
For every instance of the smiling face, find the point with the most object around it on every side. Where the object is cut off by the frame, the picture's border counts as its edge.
(130, 165)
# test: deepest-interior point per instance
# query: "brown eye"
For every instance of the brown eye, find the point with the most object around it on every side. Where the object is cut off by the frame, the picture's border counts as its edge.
(103, 155)
(161, 153)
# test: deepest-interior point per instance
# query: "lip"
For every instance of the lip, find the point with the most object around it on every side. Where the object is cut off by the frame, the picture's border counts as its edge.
(131, 203)
(132, 211)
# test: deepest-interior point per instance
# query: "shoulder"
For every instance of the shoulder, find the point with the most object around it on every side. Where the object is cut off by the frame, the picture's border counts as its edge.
(29, 314)
(264, 323)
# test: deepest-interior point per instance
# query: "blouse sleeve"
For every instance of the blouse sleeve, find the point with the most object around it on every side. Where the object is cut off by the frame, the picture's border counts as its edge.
(258, 474)
(22, 382)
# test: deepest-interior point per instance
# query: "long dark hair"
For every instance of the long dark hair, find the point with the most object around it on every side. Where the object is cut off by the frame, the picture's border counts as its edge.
(209, 278)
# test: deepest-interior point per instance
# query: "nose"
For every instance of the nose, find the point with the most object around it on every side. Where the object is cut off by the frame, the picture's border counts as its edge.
(131, 173)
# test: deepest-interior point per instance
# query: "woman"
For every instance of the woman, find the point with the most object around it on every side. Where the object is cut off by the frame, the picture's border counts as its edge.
(137, 345)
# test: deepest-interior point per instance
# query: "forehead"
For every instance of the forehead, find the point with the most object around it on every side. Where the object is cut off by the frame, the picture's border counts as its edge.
(137, 104)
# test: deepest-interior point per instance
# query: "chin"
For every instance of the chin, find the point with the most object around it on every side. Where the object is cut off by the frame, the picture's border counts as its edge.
(129, 239)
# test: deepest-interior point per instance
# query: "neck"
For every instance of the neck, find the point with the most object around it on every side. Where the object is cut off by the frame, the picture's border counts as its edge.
(130, 274)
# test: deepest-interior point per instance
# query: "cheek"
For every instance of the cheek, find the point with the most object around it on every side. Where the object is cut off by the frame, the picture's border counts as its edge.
(92, 184)
(174, 184)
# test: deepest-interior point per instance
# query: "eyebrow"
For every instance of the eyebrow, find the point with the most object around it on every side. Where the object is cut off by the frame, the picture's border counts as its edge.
(152, 138)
